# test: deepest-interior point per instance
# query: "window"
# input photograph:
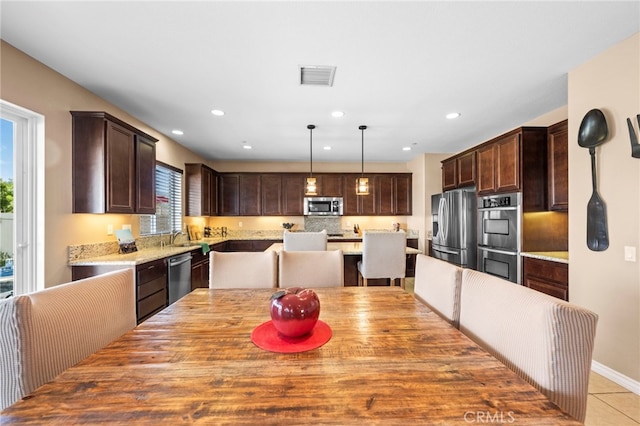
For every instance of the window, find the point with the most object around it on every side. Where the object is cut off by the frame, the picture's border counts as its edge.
(168, 217)
(22, 170)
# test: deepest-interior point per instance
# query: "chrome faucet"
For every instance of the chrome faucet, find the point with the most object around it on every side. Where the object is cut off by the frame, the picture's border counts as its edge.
(174, 236)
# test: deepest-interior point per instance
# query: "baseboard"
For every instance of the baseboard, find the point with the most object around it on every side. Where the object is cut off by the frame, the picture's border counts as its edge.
(614, 376)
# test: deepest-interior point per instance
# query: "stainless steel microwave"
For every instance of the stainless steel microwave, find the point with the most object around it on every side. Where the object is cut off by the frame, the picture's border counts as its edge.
(323, 206)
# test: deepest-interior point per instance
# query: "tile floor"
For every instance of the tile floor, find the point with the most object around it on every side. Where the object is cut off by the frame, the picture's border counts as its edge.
(608, 403)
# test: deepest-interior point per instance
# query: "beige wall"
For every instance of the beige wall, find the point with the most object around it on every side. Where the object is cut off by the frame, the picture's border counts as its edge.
(603, 281)
(30, 84)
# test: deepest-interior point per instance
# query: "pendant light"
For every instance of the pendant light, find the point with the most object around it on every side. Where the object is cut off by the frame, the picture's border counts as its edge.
(362, 183)
(311, 187)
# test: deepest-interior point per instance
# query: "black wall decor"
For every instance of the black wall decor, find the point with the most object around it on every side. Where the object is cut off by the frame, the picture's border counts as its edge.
(635, 146)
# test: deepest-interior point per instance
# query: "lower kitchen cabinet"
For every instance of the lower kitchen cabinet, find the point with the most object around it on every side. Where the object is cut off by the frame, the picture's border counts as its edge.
(546, 276)
(199, 269)
(151, 288)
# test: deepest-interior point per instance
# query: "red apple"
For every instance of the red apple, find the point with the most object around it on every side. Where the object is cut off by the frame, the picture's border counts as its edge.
(294, 311)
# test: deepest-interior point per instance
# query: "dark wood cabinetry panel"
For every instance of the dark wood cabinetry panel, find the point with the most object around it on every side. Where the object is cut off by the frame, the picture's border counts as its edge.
(508, 163)
(403, 196)
(113, 165)
(145, 175)
(546, 276)
(229, 197)
(151, 288)
(250, 200)
(515, 161)
(385, 194)
(199, 270)
(272, 196)
(449, 174)
(293, 186)
(350, 201)
(202, 190)
(558, 163)
(486, 177)
(466, 169)
(330, 185)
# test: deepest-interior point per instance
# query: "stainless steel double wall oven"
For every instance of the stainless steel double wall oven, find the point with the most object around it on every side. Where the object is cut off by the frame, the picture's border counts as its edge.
(499, 235)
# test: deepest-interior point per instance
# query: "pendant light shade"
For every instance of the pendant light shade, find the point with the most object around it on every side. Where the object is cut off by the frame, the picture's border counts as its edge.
(311, 187)
(362, 183)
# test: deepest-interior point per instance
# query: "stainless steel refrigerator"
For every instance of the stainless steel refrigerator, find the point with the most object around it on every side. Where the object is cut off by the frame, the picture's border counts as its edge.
(453, 216)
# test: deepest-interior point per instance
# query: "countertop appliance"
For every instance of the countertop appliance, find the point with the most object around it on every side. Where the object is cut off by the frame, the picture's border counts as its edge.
(323, 206)
(454, 226)
(179, 281)
(499, 235)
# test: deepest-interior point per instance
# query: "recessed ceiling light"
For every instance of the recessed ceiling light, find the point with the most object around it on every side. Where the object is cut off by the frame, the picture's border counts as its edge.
(217, 112)
(327, 148)
(452, 115)
(406, 148)
(177, 132)
(337, 114)
(246, 146)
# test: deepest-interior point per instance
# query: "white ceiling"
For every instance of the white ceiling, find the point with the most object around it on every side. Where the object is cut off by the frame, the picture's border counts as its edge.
(401, 66)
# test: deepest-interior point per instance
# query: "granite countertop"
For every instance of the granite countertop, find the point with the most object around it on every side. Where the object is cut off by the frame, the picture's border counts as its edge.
(554, 256)
(107, 253)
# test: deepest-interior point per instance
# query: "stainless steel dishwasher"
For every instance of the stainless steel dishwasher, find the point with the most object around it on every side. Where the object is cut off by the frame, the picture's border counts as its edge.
(179, 276)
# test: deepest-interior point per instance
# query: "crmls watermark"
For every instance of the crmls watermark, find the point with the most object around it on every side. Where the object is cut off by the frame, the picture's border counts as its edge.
(481, 417)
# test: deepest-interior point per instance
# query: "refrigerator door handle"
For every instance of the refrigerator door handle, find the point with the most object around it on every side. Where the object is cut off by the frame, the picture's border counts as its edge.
(445, 219)
(444, 251)
(439, 234)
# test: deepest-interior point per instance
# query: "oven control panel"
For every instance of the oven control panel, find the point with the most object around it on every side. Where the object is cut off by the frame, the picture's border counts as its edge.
(497, 201)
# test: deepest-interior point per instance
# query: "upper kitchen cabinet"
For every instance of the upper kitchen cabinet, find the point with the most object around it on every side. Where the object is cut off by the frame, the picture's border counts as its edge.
(558, 163)
(459, 171)
(393, 194)
(113, 165)
(240, 194)
(272, 195)
(514, 162)
(329, 184)
(293, 186)
(201, 186)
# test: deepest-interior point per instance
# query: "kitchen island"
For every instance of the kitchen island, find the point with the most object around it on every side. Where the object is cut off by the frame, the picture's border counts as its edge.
(352, 252)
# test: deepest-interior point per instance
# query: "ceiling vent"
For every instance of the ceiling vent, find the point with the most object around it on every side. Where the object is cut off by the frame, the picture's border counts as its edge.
(317, 75)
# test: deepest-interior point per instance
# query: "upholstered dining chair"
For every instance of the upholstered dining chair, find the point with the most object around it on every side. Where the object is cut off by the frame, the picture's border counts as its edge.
(311, 269)
(305, 241)
(243, 269)
(545, 340)
(44, 333)
(383, 256)
(437, 284)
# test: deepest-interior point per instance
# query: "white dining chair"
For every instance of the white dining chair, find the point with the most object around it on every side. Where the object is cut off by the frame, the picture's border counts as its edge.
(45, 332)
(311, 269)
(243, 269)
(305, 241)
(383, 256)
(437, 285)
(545, 340)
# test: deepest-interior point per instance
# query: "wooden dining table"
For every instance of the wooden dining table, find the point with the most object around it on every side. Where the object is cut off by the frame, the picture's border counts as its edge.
(390, 360)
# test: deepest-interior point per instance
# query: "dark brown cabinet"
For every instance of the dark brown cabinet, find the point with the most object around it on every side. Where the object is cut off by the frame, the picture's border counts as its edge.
(330, 184)
(393, 194)
(229, 196)
(151, 288)
(201, 185)
(558, 163)
(459, 171)
(199, 270)
(546, 276)
(513, 162)
(113, 165)
(293, 194)
(272, 195)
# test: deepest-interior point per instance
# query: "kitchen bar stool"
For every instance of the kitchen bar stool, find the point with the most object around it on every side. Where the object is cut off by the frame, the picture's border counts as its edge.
(303, 241)
(383, 256)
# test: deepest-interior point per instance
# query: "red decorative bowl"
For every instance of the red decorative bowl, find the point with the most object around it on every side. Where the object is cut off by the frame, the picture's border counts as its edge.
(295, 311)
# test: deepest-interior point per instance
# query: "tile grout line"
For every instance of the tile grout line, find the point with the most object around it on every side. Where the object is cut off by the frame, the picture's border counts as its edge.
(615, 408)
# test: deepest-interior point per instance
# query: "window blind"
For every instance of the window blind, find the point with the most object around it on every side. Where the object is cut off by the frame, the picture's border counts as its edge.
(168, 217)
